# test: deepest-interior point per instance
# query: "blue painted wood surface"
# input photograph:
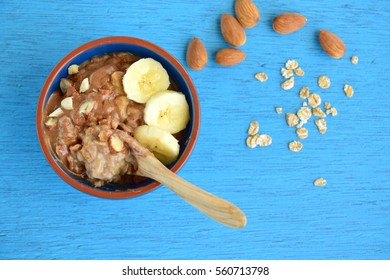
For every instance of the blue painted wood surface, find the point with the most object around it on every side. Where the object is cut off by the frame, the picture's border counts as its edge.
(41, 217)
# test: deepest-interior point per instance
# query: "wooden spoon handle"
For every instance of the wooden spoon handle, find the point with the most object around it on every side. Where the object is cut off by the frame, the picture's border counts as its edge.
(214, 207)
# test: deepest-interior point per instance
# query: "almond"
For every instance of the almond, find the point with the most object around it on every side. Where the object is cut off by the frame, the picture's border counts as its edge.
(288, 23)
(116, 143)
(229, 56)
(67, 103)
(196, 54)
(247, 13)
(232, 31)
(331, 44)
(56, 113)
(86, 107)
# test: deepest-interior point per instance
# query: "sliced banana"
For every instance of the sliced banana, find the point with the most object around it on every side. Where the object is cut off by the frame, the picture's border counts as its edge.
(144, 78)
(167, 110)
(161, 143)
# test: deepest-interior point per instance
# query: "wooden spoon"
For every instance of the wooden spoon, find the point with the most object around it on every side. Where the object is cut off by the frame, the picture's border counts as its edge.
(216, 208)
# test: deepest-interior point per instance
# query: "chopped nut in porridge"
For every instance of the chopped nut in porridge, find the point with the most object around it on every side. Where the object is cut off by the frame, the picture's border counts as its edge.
(73, 69)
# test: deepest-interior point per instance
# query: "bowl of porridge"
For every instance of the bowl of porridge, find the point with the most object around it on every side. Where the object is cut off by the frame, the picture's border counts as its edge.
(103, 96)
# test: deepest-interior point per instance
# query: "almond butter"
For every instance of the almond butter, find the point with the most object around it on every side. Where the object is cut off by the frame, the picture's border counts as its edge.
(232, 31)
(331, 44)
(288, 23)
(196, 54)
(247, 13)
(229, 56)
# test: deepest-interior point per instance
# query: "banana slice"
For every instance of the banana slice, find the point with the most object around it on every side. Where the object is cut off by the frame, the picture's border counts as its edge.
(167, 110)
(144, 78)
(161, 143)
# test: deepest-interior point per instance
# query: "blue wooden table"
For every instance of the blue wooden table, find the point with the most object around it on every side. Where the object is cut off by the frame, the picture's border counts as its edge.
(41, 217)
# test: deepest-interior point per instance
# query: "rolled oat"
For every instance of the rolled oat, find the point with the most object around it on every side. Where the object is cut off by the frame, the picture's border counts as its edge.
(323, 81)
(321, 125)
(279, 110)
(299, 71)
(253, 128)
(317, 111)
(262, 77)
(320, 182)
(304, 113)
(291, 119)
(314, 100)
(295, 146)
(354, 59)
(291, 64)
(251, 141)
(288, 84)
(348, 90)
(286, 73)
(333, 111)
(304, 93)
(302, 133)
(264, 140)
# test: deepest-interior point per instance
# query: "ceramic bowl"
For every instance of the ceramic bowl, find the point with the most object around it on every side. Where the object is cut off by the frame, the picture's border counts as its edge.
(141, 48)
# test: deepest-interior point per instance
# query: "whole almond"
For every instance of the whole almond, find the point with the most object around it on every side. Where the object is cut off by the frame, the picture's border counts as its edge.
(247, 13)
(229, 56)
(288, 23)
(232, 31)
(331, 44)
(196, 54)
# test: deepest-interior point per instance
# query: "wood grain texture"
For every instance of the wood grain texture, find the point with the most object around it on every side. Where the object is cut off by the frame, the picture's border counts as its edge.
(41, 217)
(214, 207)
